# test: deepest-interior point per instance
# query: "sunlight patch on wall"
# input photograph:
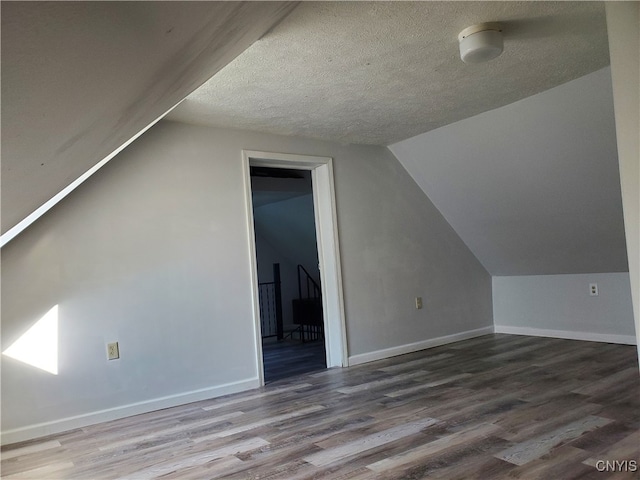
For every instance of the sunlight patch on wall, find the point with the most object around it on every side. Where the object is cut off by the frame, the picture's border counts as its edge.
(38, 346)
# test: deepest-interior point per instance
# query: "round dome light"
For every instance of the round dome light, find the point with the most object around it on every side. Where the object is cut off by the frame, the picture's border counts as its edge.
(480, 43)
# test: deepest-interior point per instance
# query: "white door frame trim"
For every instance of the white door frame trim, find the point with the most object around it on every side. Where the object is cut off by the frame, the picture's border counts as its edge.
(328, 248)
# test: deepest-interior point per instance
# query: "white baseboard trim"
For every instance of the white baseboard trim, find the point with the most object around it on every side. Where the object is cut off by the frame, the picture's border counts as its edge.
(414, 347)
(56, 426)
(569, 335)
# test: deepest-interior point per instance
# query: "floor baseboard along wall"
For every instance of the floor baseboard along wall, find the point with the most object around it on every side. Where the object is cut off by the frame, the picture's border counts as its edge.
(569, 335)
(416, 346)
(79, 421)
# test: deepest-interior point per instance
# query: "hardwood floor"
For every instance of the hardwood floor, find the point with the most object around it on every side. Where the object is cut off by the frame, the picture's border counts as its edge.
(497, 406)
(289, 358)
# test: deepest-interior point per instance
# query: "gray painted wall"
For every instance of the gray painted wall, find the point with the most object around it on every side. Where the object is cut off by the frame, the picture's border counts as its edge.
(533, 187)
(153, 252)
(395, 246)
(560, 305)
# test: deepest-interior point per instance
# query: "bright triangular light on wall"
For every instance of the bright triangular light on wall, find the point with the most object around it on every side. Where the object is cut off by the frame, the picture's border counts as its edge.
(38, 346)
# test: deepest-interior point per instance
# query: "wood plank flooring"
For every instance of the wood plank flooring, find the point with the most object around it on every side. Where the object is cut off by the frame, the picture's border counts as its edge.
(288, 358)
(498, 406)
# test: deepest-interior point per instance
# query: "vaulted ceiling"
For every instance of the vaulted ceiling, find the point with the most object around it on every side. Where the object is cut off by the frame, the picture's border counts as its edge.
(519, 153)
(533, 187)
(79, 79)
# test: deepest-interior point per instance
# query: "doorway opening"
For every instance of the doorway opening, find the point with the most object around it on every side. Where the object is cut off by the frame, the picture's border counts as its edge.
(289, 286)
(298, 307)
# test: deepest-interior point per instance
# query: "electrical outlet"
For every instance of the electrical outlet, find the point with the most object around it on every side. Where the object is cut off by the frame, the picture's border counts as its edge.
(113, 352)
(593, 289)
(418, 303)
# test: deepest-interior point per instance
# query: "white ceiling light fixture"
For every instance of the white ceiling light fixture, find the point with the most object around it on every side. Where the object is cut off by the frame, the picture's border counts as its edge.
(480, 43)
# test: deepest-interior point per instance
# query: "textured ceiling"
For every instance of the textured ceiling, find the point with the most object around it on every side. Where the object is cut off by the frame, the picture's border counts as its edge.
(381, 72)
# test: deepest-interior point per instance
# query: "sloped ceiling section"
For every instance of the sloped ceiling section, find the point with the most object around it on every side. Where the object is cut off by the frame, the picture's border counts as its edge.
(79, 79)
(532, 188)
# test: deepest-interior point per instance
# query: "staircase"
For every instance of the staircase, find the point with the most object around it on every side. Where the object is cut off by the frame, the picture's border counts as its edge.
(307, 308)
